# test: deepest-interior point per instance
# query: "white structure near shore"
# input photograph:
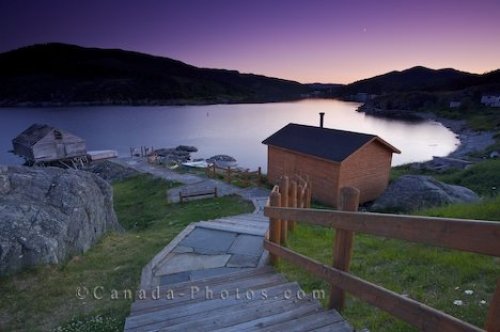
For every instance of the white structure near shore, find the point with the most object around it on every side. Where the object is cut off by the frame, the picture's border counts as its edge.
(491, 100)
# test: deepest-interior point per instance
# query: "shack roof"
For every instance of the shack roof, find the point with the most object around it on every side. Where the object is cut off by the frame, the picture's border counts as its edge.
(35, 133)
(330, 144)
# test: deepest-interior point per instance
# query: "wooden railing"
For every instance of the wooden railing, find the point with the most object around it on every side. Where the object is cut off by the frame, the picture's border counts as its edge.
(481, 237)
(246, 176)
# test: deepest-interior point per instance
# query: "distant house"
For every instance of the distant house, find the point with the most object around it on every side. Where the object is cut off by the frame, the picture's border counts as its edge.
(491, 100)
(332, 159)
(44, 143)
(455, 104)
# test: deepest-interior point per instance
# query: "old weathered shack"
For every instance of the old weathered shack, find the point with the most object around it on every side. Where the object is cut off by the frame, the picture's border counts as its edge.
(44, 143)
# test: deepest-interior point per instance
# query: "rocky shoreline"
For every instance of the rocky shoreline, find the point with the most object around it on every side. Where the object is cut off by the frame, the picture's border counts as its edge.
(470, 140)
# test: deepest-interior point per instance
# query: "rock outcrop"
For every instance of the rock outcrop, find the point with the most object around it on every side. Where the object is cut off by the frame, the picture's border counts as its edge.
(413, 192)
(49, 214)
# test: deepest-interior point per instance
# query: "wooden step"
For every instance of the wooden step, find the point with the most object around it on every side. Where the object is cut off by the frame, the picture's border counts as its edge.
(188, 311)
(284, 312)
(311, 322)
(238, 315)
(216, 280)
(250, 300)
(183, 296)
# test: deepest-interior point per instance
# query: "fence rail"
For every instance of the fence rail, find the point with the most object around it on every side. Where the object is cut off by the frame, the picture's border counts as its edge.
(465, 235)
(230, 174)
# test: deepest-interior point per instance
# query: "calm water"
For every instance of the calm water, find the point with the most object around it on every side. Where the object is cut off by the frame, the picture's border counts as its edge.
(237, 130)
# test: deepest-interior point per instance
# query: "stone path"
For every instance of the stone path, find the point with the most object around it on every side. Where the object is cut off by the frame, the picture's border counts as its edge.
(191, 182)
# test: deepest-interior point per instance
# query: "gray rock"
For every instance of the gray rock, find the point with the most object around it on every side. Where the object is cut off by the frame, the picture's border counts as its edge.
(413, 192)
(109, 171)
(187, 148)
(49, 214)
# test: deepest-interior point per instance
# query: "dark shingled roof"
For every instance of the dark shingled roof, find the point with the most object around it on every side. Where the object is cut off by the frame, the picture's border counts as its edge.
(33, 134)
(330, 144)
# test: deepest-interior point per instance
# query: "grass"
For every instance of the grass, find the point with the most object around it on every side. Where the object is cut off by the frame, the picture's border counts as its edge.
(44, 298)
(431, 275)
(482, 177)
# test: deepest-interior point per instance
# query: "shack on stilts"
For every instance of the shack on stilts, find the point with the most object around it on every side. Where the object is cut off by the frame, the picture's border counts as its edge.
(44, 145)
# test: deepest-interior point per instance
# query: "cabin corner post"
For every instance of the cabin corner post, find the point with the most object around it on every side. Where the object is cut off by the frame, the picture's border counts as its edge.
(342, 247)
(274, 224)
(284, 191)
(493, 319)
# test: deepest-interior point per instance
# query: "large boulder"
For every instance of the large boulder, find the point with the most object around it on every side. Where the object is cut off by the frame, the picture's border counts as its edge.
(413, 192)
(49, 214)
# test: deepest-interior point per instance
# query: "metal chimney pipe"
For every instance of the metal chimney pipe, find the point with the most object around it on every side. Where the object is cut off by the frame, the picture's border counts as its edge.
(321, 119)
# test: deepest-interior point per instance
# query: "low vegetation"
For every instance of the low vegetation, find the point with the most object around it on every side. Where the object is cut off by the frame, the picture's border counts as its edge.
(458, 283)
(45, 298)
(434, 276)
(483, 177)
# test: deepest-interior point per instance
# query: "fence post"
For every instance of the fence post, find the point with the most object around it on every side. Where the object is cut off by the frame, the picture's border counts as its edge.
(284, 191)
(292, 202)
(342, 247)
(300, 196)
(308, 192)
(274, 225)
(228, 174)
(259, 173)
(493, 320)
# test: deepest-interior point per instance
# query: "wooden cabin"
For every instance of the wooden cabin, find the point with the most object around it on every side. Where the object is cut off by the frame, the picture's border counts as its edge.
(332, 159)
(44, 143)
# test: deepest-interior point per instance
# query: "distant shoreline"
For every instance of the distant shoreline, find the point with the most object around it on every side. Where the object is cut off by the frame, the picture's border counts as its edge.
(176, 102)
(470, 140)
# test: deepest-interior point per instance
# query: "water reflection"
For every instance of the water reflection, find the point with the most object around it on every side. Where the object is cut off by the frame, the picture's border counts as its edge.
(236, 130)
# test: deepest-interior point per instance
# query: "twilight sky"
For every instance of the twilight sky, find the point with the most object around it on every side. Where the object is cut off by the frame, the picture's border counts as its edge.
(336, 41)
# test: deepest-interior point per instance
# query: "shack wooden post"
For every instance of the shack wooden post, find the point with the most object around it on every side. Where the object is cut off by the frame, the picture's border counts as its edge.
(284, 191)
(342, 247)
(228, 174)
(493, 319)
(274, 225)
(292, 201)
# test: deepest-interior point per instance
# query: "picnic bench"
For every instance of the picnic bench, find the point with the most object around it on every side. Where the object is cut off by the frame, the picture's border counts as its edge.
(184, 195)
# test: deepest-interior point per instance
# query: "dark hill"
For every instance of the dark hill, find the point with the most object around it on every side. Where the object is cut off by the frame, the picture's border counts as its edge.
(60, 74)
(414, 79)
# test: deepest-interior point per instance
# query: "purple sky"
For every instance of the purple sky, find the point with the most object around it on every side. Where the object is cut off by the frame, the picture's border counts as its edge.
(307, 41)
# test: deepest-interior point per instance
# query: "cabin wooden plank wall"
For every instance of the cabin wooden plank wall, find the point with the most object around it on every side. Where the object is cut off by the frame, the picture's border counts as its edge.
(367, 169)
(323, 174)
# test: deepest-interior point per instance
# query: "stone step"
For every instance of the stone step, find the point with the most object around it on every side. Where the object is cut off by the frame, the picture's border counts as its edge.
(241, 229)
(256, 224)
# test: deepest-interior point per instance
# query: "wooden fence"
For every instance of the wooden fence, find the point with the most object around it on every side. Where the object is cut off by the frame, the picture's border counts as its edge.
(231, 174)
(481, 237)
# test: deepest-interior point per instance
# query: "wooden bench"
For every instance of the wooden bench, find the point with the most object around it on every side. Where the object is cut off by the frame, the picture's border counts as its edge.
(200, 193)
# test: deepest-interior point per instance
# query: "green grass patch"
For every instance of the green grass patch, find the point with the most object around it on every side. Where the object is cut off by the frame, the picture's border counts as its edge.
(483, 177)
(487, 209)
(431, 275)
(45, 298)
